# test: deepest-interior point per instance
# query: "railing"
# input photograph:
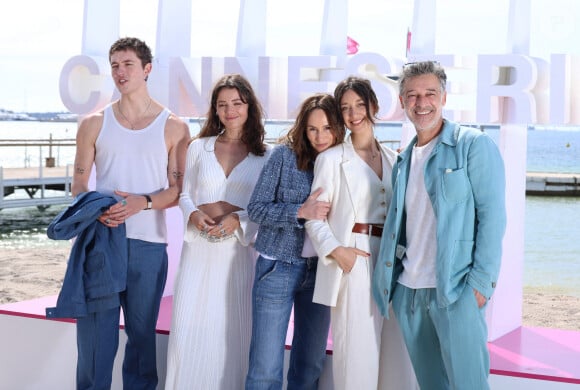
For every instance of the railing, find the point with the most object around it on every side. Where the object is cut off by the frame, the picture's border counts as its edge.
(50, 143)
(36, 189)
(36, 184)
(46, 184)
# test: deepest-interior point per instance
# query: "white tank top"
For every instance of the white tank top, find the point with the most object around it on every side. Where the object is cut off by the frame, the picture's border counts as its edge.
(134, 161)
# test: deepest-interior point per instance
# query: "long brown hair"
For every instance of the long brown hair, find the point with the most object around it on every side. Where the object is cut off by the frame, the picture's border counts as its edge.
(253, 133)
(297, 138)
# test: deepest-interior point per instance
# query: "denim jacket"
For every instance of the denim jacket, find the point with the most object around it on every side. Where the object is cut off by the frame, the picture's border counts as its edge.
(97, 268)
(280, 191)
(465, 181)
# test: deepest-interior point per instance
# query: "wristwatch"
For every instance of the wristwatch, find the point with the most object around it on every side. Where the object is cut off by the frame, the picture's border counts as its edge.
(149, 202)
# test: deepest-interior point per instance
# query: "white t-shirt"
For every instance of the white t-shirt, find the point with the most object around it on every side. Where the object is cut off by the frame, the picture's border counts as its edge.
(419, 260)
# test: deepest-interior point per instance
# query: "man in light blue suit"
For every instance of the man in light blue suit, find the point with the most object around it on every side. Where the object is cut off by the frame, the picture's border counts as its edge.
(441, 246)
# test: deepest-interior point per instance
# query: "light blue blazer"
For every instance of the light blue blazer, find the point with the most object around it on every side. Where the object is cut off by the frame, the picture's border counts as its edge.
(465, 180)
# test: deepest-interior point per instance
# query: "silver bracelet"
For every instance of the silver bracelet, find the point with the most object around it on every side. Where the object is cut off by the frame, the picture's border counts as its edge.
(213, 239)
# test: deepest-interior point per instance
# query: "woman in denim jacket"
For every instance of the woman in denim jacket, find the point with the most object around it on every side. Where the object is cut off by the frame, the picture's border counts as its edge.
(286, 268)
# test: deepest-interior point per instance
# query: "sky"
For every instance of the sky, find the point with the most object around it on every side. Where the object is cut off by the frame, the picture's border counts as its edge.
(37, 37)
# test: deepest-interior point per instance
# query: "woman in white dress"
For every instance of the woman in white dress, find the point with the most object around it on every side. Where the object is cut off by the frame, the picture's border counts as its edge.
(368, 353)
(211, 325)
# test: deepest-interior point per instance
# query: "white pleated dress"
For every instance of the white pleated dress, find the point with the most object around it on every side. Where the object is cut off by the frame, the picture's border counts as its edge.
(210, 333)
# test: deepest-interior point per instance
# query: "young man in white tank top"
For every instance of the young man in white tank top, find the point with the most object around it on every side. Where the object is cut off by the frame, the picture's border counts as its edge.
(138, 148)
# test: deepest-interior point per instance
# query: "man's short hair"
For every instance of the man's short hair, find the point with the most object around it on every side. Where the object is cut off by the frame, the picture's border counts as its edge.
(136, 45)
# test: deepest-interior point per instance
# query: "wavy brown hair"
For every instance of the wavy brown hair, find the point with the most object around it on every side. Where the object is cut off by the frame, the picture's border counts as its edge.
(253, 133)
(297, 138)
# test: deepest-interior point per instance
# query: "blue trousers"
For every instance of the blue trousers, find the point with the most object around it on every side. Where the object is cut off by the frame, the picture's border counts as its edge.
(447, 346)
(277, 287)
(98, 333)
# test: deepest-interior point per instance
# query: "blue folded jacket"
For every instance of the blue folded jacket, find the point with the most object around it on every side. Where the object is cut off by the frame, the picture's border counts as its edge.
(97, 267)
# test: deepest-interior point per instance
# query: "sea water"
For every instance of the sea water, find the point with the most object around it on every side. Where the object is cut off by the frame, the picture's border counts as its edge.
(552, 231)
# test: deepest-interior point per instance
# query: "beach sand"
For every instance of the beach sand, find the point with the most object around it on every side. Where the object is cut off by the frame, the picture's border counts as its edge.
(32, 273)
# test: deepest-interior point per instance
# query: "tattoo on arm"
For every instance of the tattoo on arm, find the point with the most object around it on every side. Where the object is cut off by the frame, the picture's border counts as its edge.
(176, 175)
(80, 170)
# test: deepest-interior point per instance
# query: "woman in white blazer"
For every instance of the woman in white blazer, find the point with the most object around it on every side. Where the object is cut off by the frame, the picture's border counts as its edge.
(356, 179)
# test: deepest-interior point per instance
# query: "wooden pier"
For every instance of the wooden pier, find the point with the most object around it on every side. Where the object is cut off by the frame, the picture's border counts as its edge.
(50, 184)
(46, 186)
(41, 186)
(553, 184)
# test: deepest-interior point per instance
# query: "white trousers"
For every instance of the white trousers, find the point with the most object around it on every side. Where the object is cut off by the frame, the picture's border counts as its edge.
(368, 350)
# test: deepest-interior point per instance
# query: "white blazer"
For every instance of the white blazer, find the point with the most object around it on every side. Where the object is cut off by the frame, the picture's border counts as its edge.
(344, 187)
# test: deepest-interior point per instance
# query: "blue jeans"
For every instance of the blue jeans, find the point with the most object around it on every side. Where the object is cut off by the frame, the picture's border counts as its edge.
(277, 286)
(98, 333)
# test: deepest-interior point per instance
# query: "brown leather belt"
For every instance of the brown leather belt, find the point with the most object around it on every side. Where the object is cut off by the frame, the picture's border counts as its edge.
(368, 228)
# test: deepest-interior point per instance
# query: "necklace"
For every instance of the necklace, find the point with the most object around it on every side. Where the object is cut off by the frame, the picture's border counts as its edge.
(371, 151)
(138, 118)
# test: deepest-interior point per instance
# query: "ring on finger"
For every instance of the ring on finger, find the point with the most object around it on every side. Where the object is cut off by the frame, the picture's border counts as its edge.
(124, 202)
(107, 221)
(223, 231)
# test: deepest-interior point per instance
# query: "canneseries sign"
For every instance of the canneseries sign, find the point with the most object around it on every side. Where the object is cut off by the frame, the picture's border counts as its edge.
(506, 89)
(540, 92)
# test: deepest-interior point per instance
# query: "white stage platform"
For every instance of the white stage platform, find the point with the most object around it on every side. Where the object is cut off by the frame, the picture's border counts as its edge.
(41, 354)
